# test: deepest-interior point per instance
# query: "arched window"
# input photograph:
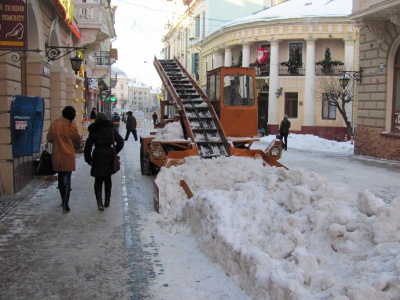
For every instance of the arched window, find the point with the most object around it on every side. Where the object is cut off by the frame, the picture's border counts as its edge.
(396, 94)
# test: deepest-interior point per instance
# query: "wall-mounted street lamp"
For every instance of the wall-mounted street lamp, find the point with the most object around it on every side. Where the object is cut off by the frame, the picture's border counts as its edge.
(278, 92)
(347, 75)
(53, 53)
(15, 57)
(100, 83)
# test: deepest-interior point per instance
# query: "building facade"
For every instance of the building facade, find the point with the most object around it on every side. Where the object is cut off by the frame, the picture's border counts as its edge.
(378, 112)
(60, 26)
(121, 90)
(270, 40)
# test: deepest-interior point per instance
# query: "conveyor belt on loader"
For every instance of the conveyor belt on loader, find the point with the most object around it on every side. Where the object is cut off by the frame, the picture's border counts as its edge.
(198, 116)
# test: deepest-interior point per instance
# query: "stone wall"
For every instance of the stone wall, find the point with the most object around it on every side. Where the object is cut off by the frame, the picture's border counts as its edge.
(372, 142)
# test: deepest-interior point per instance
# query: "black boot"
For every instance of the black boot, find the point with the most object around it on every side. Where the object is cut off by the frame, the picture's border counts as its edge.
(107, 198)
(66, 199)
(61, 189)
(99, 201)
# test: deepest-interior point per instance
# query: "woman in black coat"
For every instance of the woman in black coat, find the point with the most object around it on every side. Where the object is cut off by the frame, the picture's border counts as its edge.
(102, 157)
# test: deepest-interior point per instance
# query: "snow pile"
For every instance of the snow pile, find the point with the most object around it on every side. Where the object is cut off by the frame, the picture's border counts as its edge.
(285, 234)
(311, 142)
(172, 131)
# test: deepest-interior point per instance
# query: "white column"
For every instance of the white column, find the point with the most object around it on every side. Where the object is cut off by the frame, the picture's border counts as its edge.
(349, 55)
(218, 59)
(246, 55)
(309, 97)
(228, 57)
(350, 64)
(273, 103)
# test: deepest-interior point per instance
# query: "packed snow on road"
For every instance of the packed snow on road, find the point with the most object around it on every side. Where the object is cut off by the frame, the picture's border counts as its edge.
(285, 234)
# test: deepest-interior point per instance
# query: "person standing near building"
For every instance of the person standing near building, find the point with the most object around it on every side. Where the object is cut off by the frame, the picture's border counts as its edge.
(102, 157)
(93, 113)
(264, 125)
(130, 126)
(116, 119)
(155, 118)
(63, 134)
(284, 130)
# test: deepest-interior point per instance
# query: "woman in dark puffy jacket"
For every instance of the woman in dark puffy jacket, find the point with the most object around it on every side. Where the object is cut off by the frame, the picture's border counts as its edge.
(102, 157)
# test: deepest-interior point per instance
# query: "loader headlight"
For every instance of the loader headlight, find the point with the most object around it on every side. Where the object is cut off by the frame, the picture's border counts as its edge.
(157, 153)
(275, 151)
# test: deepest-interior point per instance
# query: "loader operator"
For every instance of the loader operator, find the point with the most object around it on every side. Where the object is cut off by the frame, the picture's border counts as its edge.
(231, 93)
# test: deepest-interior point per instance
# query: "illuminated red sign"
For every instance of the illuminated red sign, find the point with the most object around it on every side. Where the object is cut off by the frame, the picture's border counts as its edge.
(13, 24)
(66, 9)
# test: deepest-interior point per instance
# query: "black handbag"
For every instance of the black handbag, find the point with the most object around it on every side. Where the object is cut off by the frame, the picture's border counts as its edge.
(117, 159)
(45, 164)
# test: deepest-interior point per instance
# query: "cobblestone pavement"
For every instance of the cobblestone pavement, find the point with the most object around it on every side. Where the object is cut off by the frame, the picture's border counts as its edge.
(9, 202)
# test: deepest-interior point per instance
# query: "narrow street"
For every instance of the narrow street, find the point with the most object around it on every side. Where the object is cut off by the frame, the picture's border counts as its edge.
(128, 251)
(121, 253)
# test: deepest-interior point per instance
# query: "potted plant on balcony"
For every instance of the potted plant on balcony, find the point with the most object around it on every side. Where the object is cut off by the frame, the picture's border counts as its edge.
(294, 61)
(239, 63)
(327, 63)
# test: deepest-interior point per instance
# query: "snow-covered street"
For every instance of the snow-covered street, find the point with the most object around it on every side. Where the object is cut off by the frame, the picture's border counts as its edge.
(325, 229)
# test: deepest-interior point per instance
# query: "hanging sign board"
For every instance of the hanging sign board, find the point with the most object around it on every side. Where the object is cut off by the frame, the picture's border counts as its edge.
(13, 24)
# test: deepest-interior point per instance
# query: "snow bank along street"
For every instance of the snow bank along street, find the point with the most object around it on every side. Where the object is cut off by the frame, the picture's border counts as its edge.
(286, 234)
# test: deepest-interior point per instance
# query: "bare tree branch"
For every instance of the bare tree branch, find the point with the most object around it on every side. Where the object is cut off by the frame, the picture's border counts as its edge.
(328, 88)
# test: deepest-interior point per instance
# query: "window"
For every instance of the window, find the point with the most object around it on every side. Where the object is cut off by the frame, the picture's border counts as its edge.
(195, 65)
(238, 90)
(396, 94)
(328, 110)
(213, 87)
(291, 104)
(197, 26)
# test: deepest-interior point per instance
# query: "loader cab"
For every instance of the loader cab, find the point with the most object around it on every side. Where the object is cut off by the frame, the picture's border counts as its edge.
(232, 92)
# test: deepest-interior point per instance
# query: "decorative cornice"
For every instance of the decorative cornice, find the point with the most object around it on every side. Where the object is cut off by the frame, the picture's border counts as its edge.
(376, 29)
(395, 17)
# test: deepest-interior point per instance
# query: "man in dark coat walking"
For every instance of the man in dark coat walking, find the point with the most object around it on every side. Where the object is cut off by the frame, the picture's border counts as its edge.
(155, 118)
(93, 113)
(130, 126)
(102, 157)
(284, 130)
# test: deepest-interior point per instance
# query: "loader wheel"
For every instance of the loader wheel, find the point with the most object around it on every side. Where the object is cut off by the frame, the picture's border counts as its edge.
(144, 163)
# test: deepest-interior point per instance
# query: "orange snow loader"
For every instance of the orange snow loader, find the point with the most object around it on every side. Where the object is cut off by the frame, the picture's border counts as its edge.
(223, 122)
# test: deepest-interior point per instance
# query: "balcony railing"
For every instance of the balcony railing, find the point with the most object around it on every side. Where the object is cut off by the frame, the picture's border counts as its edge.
(263, 70)
(102, 58)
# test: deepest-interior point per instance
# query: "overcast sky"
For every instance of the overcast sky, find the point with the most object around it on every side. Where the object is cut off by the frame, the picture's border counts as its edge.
(140, 28)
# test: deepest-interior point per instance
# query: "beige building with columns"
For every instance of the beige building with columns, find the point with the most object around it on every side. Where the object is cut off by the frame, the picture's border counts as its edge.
(308, 26)
(60, 23)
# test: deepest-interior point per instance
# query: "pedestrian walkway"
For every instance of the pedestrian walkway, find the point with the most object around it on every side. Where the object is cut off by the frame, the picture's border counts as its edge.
(45, 254)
